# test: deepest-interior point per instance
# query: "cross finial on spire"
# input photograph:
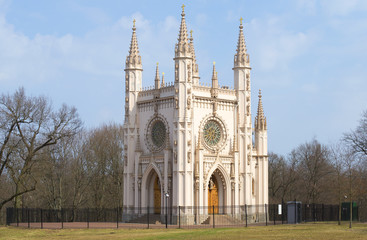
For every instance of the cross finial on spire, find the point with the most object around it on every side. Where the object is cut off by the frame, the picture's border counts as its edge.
(183, 7)
(134, 22)
(241, 19)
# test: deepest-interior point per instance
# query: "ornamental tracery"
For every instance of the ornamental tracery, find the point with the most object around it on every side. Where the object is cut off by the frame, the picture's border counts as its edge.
(156, 133)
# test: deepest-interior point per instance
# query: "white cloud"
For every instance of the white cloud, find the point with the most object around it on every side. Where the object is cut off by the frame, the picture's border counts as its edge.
(308, 6)
(276, 46)
(343, 7)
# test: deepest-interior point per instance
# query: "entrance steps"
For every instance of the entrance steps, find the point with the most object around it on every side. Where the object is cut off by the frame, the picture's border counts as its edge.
(221, 220)
(153, 219)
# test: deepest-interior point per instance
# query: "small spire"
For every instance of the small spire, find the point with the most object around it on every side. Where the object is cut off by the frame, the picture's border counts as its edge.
(195, 67)
(156, 80)
(133, 60)
(163, 84)
(214, 75)
(241, 58)
(183, 45)
(214, 90)
(260, 120)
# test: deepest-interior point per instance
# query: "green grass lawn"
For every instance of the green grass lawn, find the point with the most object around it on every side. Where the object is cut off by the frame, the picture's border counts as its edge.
(300, 231)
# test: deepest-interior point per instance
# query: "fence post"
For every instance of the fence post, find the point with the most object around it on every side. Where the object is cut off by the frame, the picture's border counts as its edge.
(179, 216)
(28, 219)
(246, 213)
(213, 218)
(314, 213)
(274, 205)
(266, 215)
(41, 219)
(117, 217)
(87, 217)
(322, 213)
(17, 213)
(148, 218)
(62, 218)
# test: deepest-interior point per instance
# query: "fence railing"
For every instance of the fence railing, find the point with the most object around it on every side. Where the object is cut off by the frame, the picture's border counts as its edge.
(172, 217)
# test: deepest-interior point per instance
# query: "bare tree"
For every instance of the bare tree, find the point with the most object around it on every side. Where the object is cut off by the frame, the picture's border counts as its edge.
(357, 139)
(27, 126)
(313, 167)
(103, 151)
(282, 177)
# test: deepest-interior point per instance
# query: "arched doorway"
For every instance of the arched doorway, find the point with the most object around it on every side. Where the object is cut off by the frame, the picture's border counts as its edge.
(157, 196)
(213, 197)
(152, 196)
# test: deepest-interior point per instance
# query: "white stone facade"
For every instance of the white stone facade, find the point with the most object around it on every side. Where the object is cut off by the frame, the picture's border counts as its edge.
(181, 138)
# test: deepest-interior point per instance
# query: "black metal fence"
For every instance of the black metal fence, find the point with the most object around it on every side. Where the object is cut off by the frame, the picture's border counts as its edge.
(172, 217)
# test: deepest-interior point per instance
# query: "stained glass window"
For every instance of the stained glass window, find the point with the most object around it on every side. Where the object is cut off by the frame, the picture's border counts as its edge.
(158, 133)
(212, 133)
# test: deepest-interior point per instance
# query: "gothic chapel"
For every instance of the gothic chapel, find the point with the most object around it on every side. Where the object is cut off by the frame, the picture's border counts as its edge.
(188, 145)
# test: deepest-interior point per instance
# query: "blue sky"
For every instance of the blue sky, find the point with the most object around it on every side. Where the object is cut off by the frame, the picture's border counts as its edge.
(309, 57)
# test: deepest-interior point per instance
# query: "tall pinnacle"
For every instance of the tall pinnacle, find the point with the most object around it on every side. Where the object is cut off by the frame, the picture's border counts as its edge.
(195, 67)
(163, 84)
(214, 90)
(157, 78)
(260, 120)
(241, 58)
(182, 47)
(133, 60)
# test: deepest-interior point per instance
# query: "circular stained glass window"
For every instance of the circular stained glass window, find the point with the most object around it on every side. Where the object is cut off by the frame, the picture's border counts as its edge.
(158, 133)
(212, 133)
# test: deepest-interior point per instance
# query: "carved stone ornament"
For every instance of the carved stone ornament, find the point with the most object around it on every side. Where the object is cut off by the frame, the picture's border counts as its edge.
(176, 102)
(189, 102)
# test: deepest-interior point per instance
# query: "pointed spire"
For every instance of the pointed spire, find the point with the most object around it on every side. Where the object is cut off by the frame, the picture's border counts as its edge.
(163, 84)
(214, 90)
(195, 67)
(241, 58)
(133, 60)
(183, 45)
(260, 120)
(157, 78)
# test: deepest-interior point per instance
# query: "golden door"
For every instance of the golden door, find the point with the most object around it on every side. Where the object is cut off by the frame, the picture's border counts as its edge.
(213, 199)
(157, 196)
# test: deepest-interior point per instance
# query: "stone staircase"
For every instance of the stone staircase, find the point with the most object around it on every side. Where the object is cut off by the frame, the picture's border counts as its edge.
(221, 220)
(153, 219)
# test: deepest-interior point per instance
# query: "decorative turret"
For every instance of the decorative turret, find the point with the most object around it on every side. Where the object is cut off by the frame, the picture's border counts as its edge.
(260, 120)
(241, 58)
(195, 67)
(182, 48)
(214, 90)
(162, 84)
(133, 60)
(157, 78)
